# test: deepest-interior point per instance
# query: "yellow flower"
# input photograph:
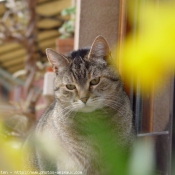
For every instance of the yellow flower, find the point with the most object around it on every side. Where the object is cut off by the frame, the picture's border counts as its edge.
(11, 154)
(149, 56)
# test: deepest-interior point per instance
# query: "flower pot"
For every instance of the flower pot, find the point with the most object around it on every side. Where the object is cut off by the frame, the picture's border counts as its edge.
(64, 46)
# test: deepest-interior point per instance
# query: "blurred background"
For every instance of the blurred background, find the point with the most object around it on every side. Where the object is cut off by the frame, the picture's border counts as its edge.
(28, 27)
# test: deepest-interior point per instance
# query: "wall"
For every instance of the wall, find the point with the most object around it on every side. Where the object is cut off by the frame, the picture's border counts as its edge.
(99, 17)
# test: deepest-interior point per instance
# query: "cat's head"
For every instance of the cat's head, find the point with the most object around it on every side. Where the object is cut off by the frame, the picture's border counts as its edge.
(84, 79)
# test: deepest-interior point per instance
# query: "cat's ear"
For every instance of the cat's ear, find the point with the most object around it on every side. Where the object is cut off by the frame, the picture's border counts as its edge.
(99, 49)
(57, 60)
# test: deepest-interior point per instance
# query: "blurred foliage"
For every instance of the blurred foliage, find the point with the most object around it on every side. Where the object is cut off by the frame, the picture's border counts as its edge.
(68, 27)
(147, 54)
(98, 130)
(10, 153)
(115, 158)
(133, 158)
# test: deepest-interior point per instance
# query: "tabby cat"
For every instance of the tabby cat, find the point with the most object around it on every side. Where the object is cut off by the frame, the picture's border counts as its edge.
(87, 90)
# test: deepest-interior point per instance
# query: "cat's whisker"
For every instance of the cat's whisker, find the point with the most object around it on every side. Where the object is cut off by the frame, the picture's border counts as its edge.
(69, 110)
(113, 107)
(105, 100)
(66, 109)
(74, 105)
(66, 122)
(116, 103)
(112, 104)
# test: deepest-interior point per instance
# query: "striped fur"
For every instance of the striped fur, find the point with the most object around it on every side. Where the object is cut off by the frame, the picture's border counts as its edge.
(64, 122)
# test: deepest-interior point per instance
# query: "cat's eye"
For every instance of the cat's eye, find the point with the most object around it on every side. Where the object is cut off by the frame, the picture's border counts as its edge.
(95, 81)
(71, 86)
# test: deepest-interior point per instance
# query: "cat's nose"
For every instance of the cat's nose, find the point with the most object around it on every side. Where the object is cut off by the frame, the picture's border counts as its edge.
(84, 99)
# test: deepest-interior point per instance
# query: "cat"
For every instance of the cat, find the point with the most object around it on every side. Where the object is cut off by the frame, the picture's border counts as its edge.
(86, 87)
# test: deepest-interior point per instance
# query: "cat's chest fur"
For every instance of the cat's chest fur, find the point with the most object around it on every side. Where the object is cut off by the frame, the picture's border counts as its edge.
(64, 159)
(75, 140)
